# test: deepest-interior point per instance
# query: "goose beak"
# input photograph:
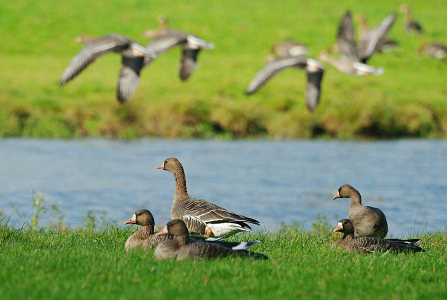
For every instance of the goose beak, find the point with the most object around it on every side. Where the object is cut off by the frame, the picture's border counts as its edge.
(130, 221)
(338, 228)
(163, 231)
(161, 167)
(336, 196)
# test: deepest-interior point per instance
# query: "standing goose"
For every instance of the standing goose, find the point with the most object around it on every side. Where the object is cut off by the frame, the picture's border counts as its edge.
(371, 244)
(165, 39)
(178, 246)
(367, 220)
(314, 71)
(145, 238)
(201, 216)
(435, 50)
(133, 56)
(350, 60)
(410, 25)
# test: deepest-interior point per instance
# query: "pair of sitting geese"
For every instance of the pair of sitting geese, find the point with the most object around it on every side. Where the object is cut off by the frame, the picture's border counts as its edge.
(135, 57)
(364, 232)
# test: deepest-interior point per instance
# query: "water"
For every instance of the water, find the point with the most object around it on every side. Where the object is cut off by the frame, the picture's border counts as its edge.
(272, 181)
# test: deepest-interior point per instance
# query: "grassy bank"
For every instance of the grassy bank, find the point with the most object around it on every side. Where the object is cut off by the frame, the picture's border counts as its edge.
(409, 100)
(91, 264)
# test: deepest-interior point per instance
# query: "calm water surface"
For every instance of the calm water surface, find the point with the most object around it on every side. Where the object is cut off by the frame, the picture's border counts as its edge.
(272, 181)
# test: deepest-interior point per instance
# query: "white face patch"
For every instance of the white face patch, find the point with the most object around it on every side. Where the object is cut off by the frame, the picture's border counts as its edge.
(340, 224)
(134, 218)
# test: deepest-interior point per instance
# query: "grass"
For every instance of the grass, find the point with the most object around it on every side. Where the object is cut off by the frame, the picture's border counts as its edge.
(92, 264)
(407, 101)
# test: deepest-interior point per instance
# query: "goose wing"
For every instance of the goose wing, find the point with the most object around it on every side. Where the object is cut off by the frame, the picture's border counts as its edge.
(345, 39)
(90, 52)
(273, 67)
(368, 44)
(188, 61)
(313, 89)
(210, 213)
(129, 77)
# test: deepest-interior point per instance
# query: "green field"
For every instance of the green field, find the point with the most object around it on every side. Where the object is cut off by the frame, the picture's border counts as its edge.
(92, 264)
(409, 100)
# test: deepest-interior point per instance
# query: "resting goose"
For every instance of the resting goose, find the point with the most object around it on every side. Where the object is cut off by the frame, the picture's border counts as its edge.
(410, 25)
(368, 221)
(165, 39)
(350, 60)
(371, 244)
(435, 50)
(146, 238)
(201, 216)
(314, 71)
(133, 56)
(180, 248)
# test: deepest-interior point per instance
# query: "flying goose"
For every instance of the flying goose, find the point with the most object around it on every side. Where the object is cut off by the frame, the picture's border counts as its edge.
(350, 59)
(410, 25)
(367, 220)
(314, 71)
(370, 244)
(201, 216)
(385, 44)
(133, 56)
(435, 50)
(179, 247)
(146, 238)
(165, 39)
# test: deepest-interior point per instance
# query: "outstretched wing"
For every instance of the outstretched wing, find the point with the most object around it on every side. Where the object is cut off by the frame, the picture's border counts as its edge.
(313, 89)
(90, 52)
(129, 77)
(345, 39)
(272, 68)
(188, 61)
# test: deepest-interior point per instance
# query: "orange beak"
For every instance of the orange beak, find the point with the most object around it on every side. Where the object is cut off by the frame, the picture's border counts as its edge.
(163, 231)
(161, 167)
(336, 196)
(130, 221)
(338, 228)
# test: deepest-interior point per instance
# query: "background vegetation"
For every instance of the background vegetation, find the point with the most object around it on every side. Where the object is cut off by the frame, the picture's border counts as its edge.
(409, 100)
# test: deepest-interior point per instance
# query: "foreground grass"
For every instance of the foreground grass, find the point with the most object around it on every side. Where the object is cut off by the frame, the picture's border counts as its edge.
(408, 100)
(91, 264)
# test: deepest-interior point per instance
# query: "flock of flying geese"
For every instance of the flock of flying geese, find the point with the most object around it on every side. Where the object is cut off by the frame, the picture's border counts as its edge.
(352, 59)
(363, 232)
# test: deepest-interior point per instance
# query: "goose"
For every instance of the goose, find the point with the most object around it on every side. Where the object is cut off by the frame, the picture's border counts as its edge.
(165, 39)
(133, 56)
(374, 40)
(370, 244)
(180, 248)
(410, 25)
(313, 68)
(367, 220)
(201, 216)
(435, 50)
(350, 60)
(146, 238)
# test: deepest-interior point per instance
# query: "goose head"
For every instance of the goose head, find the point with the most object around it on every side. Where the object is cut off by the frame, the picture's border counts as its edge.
(170, 164)
(142, 217)
(175, 228)
(345, 226)
(346, 191)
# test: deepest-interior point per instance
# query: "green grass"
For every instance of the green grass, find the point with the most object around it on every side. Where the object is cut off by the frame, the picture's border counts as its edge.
(92, 264)
(408, 100)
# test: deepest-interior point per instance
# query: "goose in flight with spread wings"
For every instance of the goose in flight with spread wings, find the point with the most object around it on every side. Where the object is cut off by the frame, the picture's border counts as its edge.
(132, 54)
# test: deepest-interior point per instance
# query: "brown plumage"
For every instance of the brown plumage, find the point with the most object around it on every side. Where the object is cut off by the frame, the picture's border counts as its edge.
(180, 248)
(410, 25)
(367, 220)
(200, 215)
(435, 50)
(370, 244)
(145, 238)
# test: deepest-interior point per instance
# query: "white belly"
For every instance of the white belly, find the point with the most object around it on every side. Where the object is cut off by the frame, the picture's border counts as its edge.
(225, 229)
